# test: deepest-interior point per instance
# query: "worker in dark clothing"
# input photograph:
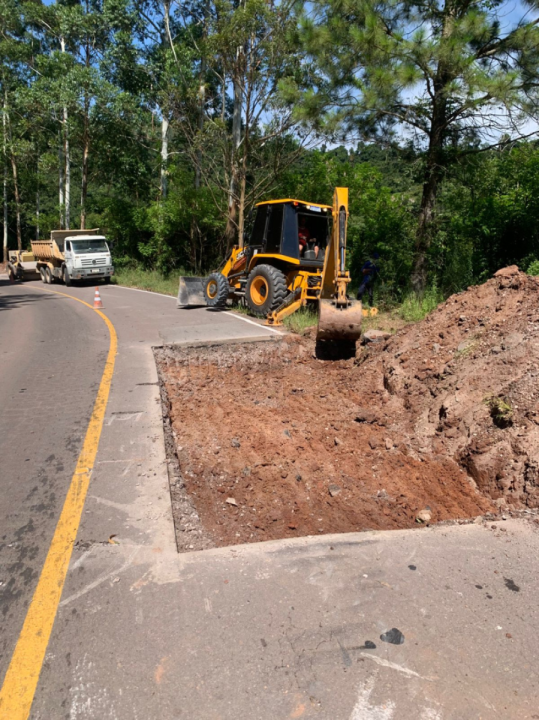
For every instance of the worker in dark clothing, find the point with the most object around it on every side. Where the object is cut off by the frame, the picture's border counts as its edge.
(370, 271)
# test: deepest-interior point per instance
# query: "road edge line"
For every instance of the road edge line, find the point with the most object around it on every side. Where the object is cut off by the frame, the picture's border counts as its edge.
(253, 322)
(22, 676)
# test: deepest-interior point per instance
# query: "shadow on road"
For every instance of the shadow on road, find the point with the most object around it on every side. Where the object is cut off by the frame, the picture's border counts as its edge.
(18, 297)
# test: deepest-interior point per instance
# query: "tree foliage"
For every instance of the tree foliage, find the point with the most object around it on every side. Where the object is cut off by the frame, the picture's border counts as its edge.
(452, 73)
(165, 122)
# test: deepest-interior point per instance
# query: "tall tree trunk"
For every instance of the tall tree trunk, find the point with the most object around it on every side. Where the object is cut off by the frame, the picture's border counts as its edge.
(241, 203)
(17, 199)
(231, 225)
(67, 156)
(164, 157)
(4, 138)
(248, 87)
(67, 159)
(85, 137)
(61, 169)
(435, 165)
(15, 183)
(38, 209)
(435, 162)
(425, 226)
(195, 234)
(223, 98)
(85, 155)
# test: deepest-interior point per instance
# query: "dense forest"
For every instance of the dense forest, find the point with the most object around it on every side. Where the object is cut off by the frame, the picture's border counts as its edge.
(164, 122)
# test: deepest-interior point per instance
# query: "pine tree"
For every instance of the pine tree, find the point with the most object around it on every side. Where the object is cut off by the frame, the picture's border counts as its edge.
(457, 74)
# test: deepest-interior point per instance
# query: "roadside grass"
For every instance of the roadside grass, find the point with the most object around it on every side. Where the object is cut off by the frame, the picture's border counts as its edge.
(386, 320)
(305, 318)
(301, 320)
(151, 280)
(414, 307)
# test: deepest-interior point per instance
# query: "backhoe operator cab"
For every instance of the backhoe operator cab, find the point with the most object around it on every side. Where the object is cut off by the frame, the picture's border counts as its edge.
(274, 265)
(275, 232)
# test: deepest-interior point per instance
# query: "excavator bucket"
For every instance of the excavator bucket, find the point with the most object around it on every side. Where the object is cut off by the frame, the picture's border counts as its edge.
(191, 292)
(339, 323)
(339, 317)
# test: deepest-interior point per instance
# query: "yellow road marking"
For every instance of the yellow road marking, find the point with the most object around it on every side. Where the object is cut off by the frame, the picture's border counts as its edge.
(20, 682)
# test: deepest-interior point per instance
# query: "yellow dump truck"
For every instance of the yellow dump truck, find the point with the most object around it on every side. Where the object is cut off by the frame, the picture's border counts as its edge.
(73, 255)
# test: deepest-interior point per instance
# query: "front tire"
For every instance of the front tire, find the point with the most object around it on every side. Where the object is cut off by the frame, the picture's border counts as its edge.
(266, 290)
(67, 279)
(216, 290)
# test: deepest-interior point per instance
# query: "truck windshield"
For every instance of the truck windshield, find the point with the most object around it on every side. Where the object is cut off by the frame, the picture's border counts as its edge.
(85, 247)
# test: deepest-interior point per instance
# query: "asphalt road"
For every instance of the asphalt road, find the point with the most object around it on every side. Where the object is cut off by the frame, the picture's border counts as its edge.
(289, 629)
(52, 352)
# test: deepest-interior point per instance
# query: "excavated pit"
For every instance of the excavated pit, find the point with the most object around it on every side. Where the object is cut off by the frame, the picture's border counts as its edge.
(441, 421)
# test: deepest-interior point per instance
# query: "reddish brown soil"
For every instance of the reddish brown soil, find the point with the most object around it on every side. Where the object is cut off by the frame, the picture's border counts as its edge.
(301, 446)
(444, 374)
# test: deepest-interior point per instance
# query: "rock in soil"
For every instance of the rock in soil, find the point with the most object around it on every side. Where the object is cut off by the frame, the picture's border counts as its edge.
(424, 516)
(375, 336)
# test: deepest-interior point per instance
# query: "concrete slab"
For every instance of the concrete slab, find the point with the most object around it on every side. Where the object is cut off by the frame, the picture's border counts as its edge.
(293, 629)
(212, 333)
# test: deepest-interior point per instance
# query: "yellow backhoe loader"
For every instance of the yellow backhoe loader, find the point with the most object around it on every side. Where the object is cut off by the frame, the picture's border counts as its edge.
(294, 255)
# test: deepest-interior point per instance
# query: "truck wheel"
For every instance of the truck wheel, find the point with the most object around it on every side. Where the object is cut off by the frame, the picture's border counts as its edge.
(106, 280)
(266, 289)
(67, 280)
(42, 274)
(216, 290)
(48, 276)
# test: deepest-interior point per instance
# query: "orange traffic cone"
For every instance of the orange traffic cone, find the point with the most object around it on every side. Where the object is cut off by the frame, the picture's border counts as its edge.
(98, 305)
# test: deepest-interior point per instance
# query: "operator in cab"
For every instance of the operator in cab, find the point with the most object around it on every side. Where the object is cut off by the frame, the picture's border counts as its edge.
(304, 237)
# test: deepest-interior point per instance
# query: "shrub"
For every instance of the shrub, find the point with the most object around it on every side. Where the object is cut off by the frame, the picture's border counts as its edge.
(533, 268)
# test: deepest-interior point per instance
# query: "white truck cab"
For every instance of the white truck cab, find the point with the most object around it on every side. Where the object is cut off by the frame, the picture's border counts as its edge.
(86, 257)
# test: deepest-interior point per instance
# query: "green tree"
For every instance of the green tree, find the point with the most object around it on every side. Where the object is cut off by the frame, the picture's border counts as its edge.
(453, 73)
(241, 138)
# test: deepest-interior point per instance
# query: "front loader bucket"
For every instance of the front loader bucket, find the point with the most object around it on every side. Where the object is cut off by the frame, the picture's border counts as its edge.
(191, 292)
(339, 323)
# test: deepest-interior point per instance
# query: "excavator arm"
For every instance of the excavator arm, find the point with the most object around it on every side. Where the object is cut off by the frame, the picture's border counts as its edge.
(339, 317)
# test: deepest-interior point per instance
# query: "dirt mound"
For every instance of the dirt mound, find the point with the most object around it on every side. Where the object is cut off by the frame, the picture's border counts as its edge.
(443, 417)
(462, 385)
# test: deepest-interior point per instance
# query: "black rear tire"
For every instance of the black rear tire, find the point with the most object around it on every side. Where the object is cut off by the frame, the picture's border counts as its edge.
(42, 273)
(216, 290)
(265, 290)
(48, 276)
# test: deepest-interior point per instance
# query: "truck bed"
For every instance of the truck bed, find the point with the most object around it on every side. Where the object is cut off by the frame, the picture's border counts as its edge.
(47, 250)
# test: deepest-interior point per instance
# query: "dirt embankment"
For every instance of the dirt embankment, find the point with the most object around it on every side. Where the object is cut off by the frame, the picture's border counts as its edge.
(273, 442)
(463, 384)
